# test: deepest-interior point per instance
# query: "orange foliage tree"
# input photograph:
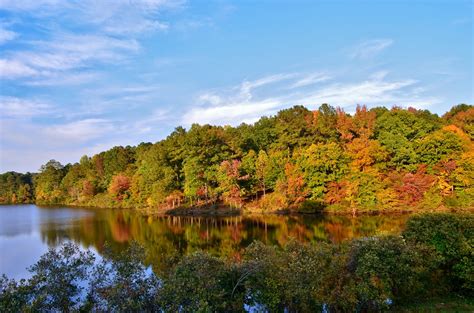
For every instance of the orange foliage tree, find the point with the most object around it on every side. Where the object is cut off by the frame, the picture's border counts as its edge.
(119, 186)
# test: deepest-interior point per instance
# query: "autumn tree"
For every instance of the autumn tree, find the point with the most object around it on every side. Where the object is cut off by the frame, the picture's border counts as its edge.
(229, 182)
(462, 116)
(261, 170)
(296, 188)
(119, 186)
(411, 187)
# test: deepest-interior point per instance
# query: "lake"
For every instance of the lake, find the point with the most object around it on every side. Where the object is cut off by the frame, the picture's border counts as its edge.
(26, 232)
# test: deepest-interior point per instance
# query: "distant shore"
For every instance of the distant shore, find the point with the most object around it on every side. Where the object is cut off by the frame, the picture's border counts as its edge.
(222, 210)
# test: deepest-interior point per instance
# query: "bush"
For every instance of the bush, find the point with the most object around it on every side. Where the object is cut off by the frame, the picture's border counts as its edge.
(284, 279)
(56, 284)
(386, 269)
(123, 283)
(311, 206)
(14, 296)
(463, 198)
(451, 236)
(200, 283)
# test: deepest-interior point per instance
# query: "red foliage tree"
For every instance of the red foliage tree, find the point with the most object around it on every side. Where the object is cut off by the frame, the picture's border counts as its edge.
(364, 122)
(119, 186)
(229, 182)
(336, 193)
(88, 189)
(296, 190)
(344, 125)
(412, 187)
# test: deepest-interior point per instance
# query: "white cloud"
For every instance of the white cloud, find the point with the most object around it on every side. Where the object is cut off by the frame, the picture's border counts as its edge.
(150, 122)
(210, 98)
(65, 78)
(114, 17)
(310, 79)
(65, 52)
(81, 130)
(249, 104)
(236, 104)
(25, 5)
(380, 75)
(366, 92)
(11, 69)
(139, 27)
(247, 86)
(48, 60)
(6, 35)
(20, 108)
(104, 98)
(109, 33)
(370, 48)
(231, 113)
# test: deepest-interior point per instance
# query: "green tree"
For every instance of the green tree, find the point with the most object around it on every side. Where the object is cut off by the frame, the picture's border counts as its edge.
(262, 170)
(438, 146)
(293, 128)
(48, 182)
(322, 164)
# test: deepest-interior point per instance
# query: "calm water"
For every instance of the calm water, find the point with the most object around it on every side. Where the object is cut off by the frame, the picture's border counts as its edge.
(26, 232)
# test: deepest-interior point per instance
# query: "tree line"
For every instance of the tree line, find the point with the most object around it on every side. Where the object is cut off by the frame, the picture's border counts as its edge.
(372, 160)
(431, 259)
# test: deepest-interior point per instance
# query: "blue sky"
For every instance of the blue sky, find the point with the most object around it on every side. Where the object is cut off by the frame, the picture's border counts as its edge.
(79, 77)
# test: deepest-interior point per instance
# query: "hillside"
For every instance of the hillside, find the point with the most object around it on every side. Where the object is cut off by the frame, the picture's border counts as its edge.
(373, 160)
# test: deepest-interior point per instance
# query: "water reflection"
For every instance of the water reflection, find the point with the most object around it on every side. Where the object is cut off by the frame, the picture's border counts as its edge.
(167, 237)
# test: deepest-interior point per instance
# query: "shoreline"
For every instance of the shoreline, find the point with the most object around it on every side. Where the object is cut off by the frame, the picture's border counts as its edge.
(225, 211)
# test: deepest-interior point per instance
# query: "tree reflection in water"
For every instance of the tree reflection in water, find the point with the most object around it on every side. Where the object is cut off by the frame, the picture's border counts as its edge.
(165, 238)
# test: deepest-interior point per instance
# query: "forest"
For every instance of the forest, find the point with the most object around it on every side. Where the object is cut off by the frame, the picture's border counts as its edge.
(298, 160)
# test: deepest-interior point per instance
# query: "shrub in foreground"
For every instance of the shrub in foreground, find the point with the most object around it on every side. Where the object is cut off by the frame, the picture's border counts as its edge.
(451, 237)
(363, 275)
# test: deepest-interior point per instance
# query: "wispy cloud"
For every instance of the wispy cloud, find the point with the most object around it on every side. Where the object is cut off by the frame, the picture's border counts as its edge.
(81, 130)
(247, 105)
(20, 108)
(69, 51)
(66, 52)
(310, 79)
(232, 113)
(236, 104)
(11, 69)
(103, 32)
(247, 87)
(158, 116)
(371, 92)
(105, 98)
(370, 48)
(65, 79)
(115, 17)
(5, 34)
(25, 5)
(244, 92)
